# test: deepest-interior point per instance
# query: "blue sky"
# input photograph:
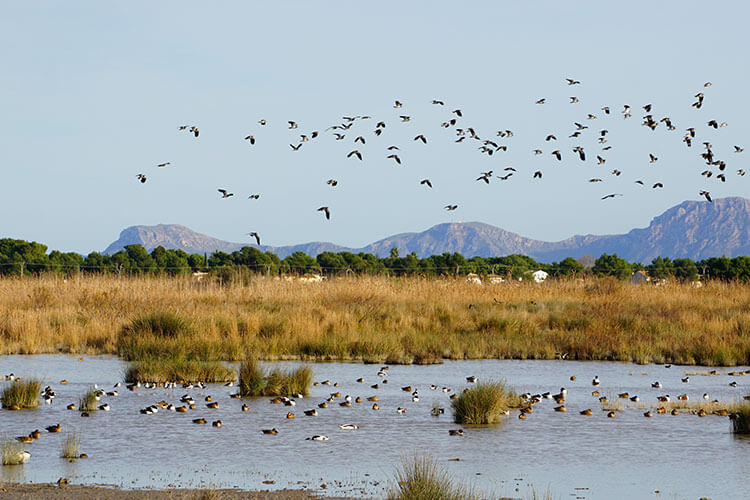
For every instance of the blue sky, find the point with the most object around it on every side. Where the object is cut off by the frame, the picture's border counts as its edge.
(93, 94)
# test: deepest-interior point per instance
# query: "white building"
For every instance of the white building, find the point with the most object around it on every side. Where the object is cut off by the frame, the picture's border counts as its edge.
(539, 276)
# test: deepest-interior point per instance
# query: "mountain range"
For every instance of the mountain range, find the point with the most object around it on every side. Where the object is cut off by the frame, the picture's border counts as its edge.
(692, 229)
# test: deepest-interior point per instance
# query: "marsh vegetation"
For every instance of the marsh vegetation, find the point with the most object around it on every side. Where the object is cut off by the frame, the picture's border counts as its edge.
(375, 319)
(484, 403)
(21, 394)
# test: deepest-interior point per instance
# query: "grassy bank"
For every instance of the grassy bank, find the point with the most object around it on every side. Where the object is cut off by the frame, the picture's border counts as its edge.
(376, 319)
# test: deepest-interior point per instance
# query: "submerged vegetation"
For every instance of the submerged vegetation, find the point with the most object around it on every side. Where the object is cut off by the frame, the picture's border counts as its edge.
(484, 404)
(254, 381)
(150, 319)
(21, 394)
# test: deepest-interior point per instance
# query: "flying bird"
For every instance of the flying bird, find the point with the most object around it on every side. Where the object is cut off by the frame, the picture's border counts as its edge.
(611, 195)
(395, 157)
(541, 101)
(450, 208)
(292, 124)
(422, 138)
(262, 122)
(398, 104)
(326, 211)
(426, 182)
(194, 130)
(224, 193)
(392, 148)
(538, 174)
(738, 149)
(168, 163)
(652, 158)
(332, 182)
(574, 100)
(360, 139)
(250, 138)
(435, 101)
(657, 185)
(550, 138)
(457, 112)
(142, 178)
(355, 153)
(572, 82)
(253, 197)
(707, 195)
(256, 236)
(581, 154)
(557, 154)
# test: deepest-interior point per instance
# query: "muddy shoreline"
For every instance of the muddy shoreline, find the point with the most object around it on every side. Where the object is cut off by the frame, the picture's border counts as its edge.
(15, 491)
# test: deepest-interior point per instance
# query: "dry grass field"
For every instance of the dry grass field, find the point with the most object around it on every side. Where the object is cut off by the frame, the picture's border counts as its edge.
(407, 320)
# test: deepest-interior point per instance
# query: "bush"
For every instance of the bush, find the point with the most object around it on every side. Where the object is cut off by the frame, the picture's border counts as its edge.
(24, 394)
(484, 404)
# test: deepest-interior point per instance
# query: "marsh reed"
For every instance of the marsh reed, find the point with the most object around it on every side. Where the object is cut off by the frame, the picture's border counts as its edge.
(408, 320)
(254, 381)
(424, 478)
(21, 393)
(484, 403)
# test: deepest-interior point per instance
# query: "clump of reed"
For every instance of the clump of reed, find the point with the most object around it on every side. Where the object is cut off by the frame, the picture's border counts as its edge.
(741, 419)
(207, 495)
(485, 403)
(22, 394)
(178, 369)
(88, 401)
(71, 446)
(255, 381)
(422, 478)
(11, 451)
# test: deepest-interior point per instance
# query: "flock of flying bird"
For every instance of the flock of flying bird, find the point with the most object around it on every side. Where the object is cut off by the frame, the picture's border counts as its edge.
(490, 147)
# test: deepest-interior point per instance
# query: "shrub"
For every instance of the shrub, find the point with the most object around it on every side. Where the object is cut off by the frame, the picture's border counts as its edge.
(484, 404)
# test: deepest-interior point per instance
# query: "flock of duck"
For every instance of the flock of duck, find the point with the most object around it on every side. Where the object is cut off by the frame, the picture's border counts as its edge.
(353, 128)
(190, 403)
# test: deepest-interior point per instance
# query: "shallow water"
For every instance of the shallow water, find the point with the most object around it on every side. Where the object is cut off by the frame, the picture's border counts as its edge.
(570, 455)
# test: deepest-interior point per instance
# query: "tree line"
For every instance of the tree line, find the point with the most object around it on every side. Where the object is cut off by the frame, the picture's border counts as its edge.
(19, 257)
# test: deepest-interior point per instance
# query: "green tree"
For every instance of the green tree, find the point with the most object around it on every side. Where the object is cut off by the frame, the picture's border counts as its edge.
(612, 265)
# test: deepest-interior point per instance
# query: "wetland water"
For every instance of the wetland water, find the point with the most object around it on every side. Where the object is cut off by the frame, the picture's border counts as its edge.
(571, 455)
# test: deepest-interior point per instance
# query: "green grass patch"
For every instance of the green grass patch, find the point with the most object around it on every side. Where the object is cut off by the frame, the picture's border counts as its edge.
(485, 403)
(255, 381)
(24, 393)
(180, 370)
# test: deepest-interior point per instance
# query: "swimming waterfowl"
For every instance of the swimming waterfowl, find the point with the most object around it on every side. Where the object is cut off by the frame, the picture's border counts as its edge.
(595, 393)
(375, 406)
(733, 384)
(456, 432)
(635, 399)
(663, 399)
(522, 416)
(400, 410)
(104, 407)
(702, 413)
(71, 406)
(603, 399)
(675, 412)
(648, 414)
(348, 427)
(323, 405)
(685, 380)
(345, 404)
(471, 379)
(587, 411)
(54, 428)
(216, 423)
(408, 388)
(318, 437)
(611, 414)
(290, 415)
(656, 385)
(199, 421)
(596, 380)
(213, 405)
(661, 410)
(270, 431)
(311, 413)
(560, 408)
(623, 395)
(360, 380)
(25, 439)
(181, 409)
(682, 397)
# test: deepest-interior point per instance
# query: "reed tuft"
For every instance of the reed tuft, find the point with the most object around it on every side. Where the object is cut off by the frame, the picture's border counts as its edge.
(11, 451)
(484, 404)
(423, 478)
(71, 446)
(23, 394)
(254, 381)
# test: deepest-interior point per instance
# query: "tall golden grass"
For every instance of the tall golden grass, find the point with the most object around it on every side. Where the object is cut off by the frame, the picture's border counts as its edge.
(376, 319)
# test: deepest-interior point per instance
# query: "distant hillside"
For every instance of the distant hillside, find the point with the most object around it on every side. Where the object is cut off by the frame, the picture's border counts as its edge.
(692, 229)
